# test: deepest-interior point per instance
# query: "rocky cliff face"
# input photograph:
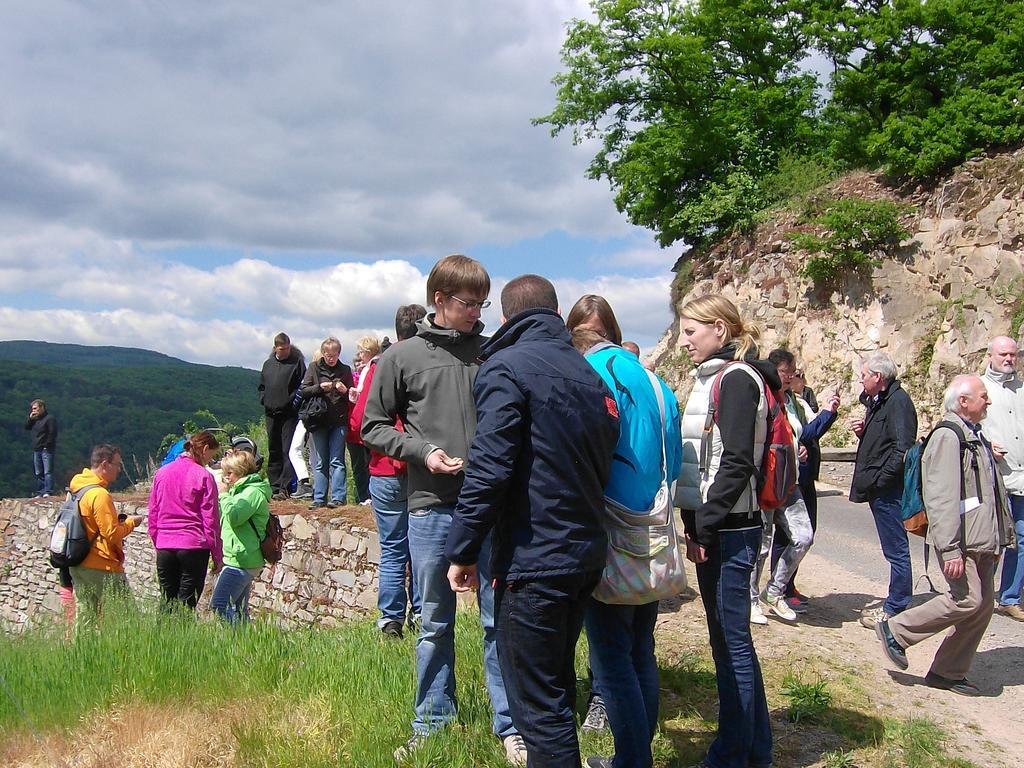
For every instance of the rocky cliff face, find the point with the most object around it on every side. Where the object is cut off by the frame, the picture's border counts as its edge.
(932, 305)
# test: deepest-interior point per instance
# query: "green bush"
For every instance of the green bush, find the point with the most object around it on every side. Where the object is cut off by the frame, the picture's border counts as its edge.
(854, 233)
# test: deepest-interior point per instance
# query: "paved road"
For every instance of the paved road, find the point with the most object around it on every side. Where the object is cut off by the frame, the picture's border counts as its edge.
(846, 536)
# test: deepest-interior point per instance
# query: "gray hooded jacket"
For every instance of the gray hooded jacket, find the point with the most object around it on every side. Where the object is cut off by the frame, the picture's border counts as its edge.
(427, 382)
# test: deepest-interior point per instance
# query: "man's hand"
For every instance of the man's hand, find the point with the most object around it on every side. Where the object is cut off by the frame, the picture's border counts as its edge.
(440, 463)
(463, 578)
(998, 451)
(953, 569)
(833, 403)
(858, 428)
(802, 454)
(695, 553)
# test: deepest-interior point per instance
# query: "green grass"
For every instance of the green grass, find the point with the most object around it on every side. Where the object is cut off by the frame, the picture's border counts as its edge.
(317, 697)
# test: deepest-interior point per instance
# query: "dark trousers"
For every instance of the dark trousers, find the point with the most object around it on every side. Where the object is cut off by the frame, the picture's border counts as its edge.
(182, 575)
(621, 639)
(539, 622)
(744, 732)
(359, 455)
(280, 430)
(885, 508)
(780, 541)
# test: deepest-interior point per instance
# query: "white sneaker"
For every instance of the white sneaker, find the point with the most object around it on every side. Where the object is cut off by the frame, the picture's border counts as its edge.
(757, 615)
(413, 743)
(515, 749)
(779, 606)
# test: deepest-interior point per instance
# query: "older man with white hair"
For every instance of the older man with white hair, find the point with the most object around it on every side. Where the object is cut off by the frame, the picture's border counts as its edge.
(886, 433)
(968, 525)
(1004, 426)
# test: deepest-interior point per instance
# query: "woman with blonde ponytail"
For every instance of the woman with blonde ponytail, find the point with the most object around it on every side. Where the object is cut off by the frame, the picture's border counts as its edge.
(717, 492)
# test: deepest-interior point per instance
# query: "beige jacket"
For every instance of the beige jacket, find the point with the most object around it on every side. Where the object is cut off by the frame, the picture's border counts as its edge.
(987, 524)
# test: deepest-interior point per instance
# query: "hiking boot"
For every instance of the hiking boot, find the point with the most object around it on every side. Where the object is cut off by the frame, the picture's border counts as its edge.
(1013, 611)
(279, 496)
(892, 649)
(413, 743)
(595, 761)
(333, 504)
(515, 749)
(392, 629)
(597, 716)
(317, 505)
(778, 606)
(868, 618)
(963, 686)
(757, 615)
(303, 491)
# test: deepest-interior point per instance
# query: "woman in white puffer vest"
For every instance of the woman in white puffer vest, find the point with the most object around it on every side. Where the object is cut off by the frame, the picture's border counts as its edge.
(718, 497)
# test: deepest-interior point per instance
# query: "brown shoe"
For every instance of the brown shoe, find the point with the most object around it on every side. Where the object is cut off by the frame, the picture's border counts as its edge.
(1013, 611)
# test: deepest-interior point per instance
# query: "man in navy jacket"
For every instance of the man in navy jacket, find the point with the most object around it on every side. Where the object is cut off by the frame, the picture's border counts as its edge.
(537, 468)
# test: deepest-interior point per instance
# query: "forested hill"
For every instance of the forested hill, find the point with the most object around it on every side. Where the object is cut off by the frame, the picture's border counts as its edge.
(130, 397)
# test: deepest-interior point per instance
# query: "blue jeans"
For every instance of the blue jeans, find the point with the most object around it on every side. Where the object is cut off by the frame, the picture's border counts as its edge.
(230, 599)
(621, 639)
(42, 464)
(330, 450)
(885, 508)
(1013, 559)
(435, 703)
(744, 731)
(539, 622)
(389, 495)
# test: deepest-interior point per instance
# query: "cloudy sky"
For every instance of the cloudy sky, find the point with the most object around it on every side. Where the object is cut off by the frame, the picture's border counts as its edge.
(194, 177)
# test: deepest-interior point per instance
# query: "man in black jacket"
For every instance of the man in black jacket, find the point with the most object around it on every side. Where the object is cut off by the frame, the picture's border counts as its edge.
(537, 467)
(887, 431)
(280, 378)
(43, 426)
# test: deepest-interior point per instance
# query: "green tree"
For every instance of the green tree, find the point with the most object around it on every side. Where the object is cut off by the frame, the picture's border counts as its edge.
(692, 105)
(919, 86)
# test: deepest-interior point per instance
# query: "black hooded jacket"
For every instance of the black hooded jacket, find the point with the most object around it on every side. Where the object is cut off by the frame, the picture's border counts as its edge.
(890, 429)
(541, 456)
(278, 381)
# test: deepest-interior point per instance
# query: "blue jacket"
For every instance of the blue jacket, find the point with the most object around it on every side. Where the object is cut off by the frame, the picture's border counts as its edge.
(541, 456)
(637, 472)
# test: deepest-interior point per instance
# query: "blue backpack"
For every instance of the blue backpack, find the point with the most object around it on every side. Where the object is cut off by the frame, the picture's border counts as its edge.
(912, 510)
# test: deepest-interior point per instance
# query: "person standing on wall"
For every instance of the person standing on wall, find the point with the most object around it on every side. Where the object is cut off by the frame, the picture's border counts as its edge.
(43, 426)
(281, 376)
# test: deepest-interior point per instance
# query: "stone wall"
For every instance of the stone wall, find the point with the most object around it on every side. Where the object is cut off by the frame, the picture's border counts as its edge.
(328, 572)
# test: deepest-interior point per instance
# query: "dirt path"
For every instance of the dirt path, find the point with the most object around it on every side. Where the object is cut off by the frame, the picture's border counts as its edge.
(989, 730)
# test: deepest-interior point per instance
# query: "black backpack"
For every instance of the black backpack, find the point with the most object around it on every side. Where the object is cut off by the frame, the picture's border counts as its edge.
(69, 541)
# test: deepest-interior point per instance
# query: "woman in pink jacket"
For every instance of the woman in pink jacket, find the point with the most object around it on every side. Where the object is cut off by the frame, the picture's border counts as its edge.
(184, 522)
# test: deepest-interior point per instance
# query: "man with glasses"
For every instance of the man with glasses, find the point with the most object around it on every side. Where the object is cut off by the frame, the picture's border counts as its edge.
(427, 381)
(103, 568)
(886, 433)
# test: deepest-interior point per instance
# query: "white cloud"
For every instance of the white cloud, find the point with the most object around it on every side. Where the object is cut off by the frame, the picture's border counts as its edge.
(389, 127)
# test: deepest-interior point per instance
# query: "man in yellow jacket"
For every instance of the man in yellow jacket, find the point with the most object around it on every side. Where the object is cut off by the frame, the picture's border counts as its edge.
(103, 567)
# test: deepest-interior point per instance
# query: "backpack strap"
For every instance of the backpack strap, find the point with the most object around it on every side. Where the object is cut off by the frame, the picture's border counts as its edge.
(256, 531)
(965, 445)
(656, 384)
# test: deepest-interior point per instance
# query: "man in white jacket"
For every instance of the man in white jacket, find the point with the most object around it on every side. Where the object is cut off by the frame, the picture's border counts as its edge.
(1004, 427)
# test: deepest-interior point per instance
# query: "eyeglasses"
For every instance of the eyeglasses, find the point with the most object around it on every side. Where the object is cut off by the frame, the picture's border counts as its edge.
(471, 305)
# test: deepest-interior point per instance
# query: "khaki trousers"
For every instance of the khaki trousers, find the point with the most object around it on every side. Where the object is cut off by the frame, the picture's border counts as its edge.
(965, 610)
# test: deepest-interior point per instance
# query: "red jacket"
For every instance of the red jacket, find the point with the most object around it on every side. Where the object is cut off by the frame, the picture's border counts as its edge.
(380, 465)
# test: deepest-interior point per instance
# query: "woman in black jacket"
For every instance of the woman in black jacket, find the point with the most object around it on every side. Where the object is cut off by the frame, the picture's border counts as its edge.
(330, 379)
(722, 516)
